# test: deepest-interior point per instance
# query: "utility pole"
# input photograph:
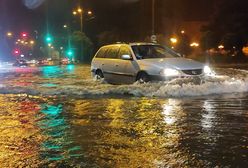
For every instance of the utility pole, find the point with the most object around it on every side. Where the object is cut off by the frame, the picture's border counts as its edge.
(81, 16)
(153, 17)
(153, 36)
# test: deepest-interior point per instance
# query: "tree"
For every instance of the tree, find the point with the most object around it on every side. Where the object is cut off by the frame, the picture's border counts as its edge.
(108, 37)
(84, 46)
(230, 40)
(208, 40)
(229, 24)
(183, 46)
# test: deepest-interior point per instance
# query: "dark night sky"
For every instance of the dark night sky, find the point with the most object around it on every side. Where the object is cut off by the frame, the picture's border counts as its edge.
(14, 15)
(131, 19)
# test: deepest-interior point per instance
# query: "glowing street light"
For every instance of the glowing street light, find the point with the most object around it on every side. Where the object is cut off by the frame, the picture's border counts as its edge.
(9, 34)
(89, 12)
(182, 31)
(173, 40)
(194, 44)
(31, 42)
(74, 13)
(221, 46)
(79, 10)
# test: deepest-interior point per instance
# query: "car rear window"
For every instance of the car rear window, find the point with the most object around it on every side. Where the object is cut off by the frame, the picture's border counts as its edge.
(101, 53)
(112, 52)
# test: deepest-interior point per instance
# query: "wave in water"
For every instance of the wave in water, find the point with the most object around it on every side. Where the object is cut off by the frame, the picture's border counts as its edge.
(235, 82)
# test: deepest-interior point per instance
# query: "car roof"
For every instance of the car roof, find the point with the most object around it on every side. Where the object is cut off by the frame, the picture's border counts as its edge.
(141, 43)
(129, 44)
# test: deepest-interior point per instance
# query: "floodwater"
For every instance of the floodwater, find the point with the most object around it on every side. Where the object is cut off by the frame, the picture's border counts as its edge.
(60, 117)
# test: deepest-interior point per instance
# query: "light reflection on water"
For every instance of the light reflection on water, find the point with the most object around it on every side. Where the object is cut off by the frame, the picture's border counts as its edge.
(123, 132)
(52, 71)
(19, 136)
(58, 145)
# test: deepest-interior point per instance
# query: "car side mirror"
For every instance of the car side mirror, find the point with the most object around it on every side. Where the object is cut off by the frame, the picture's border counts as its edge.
(126, 57)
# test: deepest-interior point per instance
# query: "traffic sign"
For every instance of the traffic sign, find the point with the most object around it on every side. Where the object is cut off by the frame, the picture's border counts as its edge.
(154, 38)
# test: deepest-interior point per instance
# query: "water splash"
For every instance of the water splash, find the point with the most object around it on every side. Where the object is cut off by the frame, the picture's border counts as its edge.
(56, 80)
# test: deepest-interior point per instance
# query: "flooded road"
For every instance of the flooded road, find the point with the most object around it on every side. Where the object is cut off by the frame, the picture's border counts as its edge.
(60, 117)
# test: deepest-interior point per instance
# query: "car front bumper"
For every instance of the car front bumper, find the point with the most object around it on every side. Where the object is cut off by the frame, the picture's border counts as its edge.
(166, 78)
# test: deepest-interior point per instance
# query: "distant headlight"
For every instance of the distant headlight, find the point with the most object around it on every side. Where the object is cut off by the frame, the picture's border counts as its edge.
(170, 72)
(208, 70)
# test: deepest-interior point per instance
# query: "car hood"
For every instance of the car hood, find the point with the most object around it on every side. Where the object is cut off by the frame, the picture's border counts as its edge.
(175, 63)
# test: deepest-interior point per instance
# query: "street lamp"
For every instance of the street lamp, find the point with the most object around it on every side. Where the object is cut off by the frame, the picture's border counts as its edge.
(173, 40)
(9, 34)
(80, 12)
(74, 13)
(67, 28)
(32, 42)
(221, 46)
(194, 44)
(89, 12)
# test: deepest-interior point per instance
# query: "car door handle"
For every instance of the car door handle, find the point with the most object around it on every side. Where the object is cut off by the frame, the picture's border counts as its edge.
(102, 64)
(116, 65)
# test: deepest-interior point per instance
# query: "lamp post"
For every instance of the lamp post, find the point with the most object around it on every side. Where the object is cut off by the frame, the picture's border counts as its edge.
(153, 36)
(68, 30)
(153, 17)
(80, 12)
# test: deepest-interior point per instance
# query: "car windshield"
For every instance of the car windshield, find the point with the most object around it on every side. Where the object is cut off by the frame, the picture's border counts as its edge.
(153, 51)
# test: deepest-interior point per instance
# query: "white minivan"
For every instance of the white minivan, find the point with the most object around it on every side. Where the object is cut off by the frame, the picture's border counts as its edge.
(143, 62)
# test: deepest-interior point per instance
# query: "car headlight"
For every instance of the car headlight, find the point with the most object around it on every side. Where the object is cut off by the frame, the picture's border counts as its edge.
(208, 70)
(170, 72)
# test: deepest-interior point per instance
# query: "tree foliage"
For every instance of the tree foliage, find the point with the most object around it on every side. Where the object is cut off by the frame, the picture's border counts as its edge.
(84, 46)
(229, 25)
(108, 37)
(208, 40)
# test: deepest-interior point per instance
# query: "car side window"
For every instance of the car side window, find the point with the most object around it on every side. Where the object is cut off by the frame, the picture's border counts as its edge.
(101, 53)
(112, 52)
(124, 51)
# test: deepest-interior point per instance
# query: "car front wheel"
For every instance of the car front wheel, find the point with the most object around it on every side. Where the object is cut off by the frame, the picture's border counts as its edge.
(99, 75)
(143, 77)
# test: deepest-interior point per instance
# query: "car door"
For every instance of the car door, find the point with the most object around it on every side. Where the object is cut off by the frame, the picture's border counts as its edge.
(109, 63)
(126, 69)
